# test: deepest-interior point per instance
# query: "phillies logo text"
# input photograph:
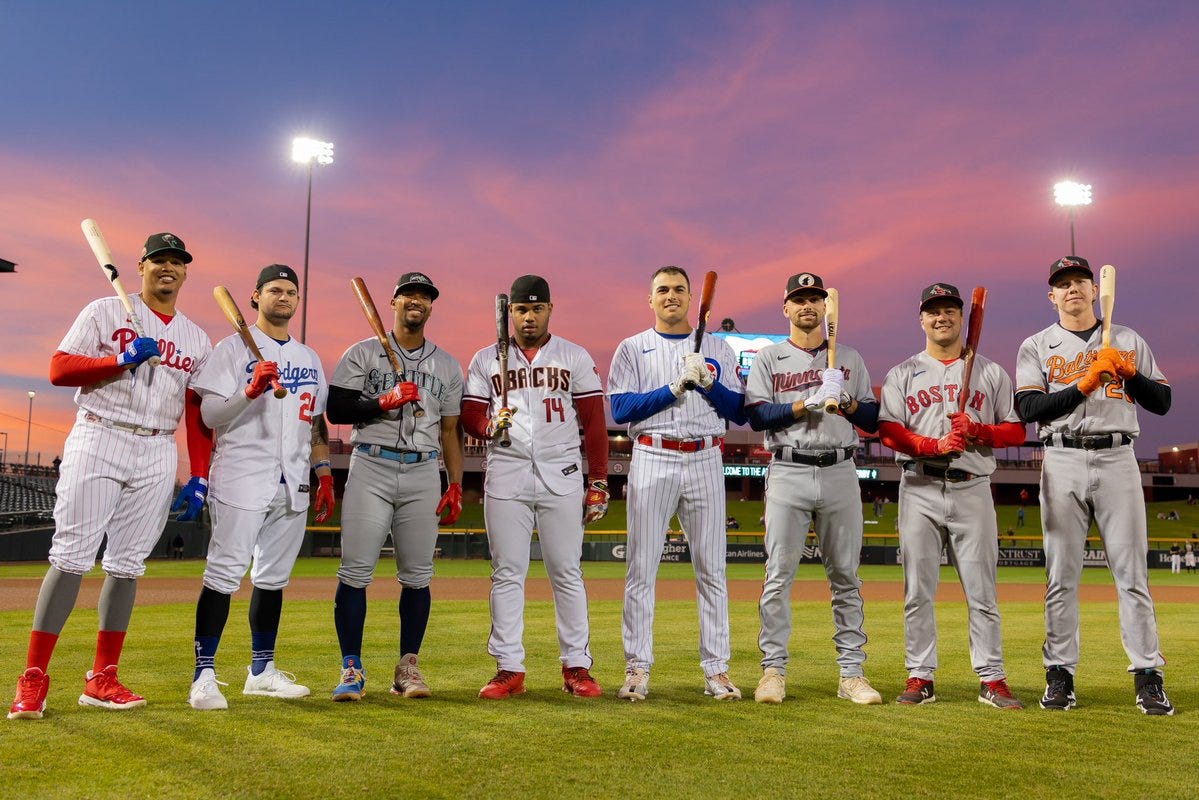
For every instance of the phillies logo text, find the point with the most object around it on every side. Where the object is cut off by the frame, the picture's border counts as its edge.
(171, 356)
(935, 395)
(555, 379)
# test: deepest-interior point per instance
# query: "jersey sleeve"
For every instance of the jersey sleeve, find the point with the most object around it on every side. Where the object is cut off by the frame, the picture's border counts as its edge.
(859, 380)
(1146, 363)
(478, 377)
(759, 387)
(622, 375)
(1000, 386)
(892, 407)
(350, 372)
(729, 374)
(218, 375)
(586, 381)
(451, 404)
(1029, 375)
(322, 386)
(83, 337)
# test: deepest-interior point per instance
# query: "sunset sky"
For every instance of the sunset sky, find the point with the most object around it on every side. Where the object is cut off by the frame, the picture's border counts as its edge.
(884, 146)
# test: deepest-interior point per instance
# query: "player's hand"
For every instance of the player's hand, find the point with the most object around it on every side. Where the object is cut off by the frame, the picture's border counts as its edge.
(1126, 363)
(696, 363)
(968, 428)
(687, 376)
(450, 505)
(951, 444)
(595, 503)
(1094, 377)
(191, 499)
(140, 350)
(264, 373)
(832, 382)
(399, 395)
(324, 502)
(502, 421)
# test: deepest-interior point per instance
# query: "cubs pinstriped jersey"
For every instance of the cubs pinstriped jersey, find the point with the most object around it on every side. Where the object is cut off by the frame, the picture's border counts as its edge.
(647, 360)
(271, 437)
(783, 372)
(545, 427)
(365, 368)
(921, 392)
(1055, 359)
(103, 329)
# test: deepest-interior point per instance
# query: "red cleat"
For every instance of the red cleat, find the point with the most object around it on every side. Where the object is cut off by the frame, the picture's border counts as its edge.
(103, 690)
(504, 684)
(30, 702)
(578, 681)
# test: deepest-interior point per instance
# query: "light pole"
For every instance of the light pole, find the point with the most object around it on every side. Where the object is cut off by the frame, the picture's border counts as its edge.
(307, 151)
(1071, 195)
(4, 452)
(29, 427)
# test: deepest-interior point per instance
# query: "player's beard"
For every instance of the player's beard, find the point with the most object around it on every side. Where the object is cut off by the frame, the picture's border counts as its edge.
(278, 317)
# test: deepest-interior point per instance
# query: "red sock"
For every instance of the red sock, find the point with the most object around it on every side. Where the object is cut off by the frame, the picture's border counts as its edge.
(41, 647)
(108, 649)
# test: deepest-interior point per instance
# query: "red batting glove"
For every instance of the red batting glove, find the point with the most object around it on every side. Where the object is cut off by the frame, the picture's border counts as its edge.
(969, 430)
(401, 394)
(264, 373)
(451, 504)
(324, 498)
(595, 503)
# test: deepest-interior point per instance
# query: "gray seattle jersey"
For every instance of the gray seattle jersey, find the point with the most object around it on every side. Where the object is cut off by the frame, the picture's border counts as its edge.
(783, 372)
(1056, 358)
(364, 368)
(921, 392)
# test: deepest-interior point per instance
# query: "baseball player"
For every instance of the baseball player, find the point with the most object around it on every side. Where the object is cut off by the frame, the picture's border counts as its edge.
(946, 462)
(677, 435)
(260, 487)
(812, 476)
(1090, 473)
(553, 387)
(394, 482)
(118, 467)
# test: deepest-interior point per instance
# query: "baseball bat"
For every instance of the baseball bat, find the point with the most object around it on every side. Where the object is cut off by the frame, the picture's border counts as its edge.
(1107, 303)
(705, 308)
(372, 317)
(501, 343)
(832, 318)
(91, 232)
(225, 301)
(974, 331)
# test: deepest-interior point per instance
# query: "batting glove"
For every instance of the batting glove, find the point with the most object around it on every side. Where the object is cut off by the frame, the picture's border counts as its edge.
(451, 504)
(1125, 363)
(962, 424)
(139, 350)
(595, 504)
(1094, 377)
(502, 421)
(264, 373)
(951, 444)
(832, 383)
(191, 499)
(400, 395)
(697, 363)
(324, 502)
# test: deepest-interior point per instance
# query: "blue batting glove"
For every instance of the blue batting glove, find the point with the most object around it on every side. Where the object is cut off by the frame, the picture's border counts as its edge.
(139, 350)
(191, 499)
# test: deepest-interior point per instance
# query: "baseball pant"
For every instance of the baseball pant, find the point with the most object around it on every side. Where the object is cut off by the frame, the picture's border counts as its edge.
(269, 540)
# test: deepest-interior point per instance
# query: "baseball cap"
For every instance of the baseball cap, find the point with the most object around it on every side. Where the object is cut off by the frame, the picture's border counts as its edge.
(940, 291)
(418, 280)
(158, 242)
(805, 281)
(529, 289)
(1066, 263)
(277, 272)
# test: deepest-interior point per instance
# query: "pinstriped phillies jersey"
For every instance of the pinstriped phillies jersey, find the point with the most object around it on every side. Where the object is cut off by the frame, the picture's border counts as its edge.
(1056, 358)
(103, 329)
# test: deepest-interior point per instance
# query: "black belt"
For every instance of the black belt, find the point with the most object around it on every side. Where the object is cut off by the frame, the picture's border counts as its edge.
(1101, 442)
(825, 459)
(950, 475)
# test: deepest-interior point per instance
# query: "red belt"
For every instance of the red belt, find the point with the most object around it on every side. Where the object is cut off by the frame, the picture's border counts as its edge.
(682, 445)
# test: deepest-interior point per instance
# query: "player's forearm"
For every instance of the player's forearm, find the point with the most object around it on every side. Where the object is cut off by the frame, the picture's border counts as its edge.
(68, 369)
(451, 448)
(728, 404)
(1044, 407)
(199, 436)
(865, 416)
(771, 416)
(595, 436)
(636, 406)
(218, 411)
(1003, 434)
(1150, 395)
(902, 440)
(349, 407)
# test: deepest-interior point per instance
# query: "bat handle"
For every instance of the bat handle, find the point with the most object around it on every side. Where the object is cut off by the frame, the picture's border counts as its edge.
(417, 411)
(280, 392)
(831, 406)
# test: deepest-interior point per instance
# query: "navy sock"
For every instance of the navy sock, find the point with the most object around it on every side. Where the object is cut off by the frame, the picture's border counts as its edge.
(414, 618)
(212, 612)
(349, 616)
(266, 606)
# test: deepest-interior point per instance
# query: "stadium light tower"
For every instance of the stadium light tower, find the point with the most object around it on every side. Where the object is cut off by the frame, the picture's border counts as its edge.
(4, 452)
(308, 151)
(1071, 195)
(29, 427)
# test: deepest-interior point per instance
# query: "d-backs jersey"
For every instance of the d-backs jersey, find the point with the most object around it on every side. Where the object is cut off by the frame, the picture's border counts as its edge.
(545, 428)
(271, 438)
(649, 360)
(921, 392)
(783, 372)
(365, 368)
(103, 328)
(1056, 358)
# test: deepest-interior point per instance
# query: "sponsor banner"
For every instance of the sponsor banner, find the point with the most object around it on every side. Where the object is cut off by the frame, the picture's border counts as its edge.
(679, 552)
(1021, 557)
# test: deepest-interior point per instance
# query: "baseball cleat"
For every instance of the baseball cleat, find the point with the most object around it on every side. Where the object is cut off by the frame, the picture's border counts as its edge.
(858, 690)
(772, 688)
(998, 694)
(636, 684)
(578, 681)
(353, 680)
(719, 687)
(205, 694)
(273, 682)
(1059, 690)
(30, 700)
(917, 692)
(408, 680)
(1151, 694)
(503, 685)
(103, 690)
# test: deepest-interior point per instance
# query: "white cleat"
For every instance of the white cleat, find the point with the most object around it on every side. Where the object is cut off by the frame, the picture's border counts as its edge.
(273, 682)
(206, 694)
(636, 685)
(858, 690)
(772, 688)
(720, 687)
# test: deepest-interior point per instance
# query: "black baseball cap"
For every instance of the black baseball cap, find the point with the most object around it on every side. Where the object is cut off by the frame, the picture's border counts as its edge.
(417, 280)
(803, 282)
(159, 242)
(940, 291)
(1067, 264)
(276, 272)
(529, 289)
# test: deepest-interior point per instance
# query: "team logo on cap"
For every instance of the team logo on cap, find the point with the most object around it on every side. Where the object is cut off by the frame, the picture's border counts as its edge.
(416, 277)
(939, 290)
(171, 240)
(807, 279)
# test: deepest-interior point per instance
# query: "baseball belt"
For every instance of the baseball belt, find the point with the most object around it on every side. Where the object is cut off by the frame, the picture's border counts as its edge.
(681, 445)
(1100, 442)
(949, 475)
(824, 458)
(392, 454)
(136, 430)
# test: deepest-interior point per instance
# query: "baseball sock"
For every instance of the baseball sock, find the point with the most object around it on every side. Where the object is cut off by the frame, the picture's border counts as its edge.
(349, 617)
(114, 608)
(266, 606)
(212, 612)
(414, 618)
(41, 647)
(108, 649)
(55, 600)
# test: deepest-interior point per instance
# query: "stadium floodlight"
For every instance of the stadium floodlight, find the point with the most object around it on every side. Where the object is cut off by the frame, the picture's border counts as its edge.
(308, 152)
(1072, 194)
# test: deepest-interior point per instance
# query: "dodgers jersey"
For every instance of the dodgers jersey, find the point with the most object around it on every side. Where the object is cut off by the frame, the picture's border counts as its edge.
(365, 368)
(1056, 358)
(545, 427)
(270, 438)
(103, 329)
(783, 372)
(921, 392)
(648, 360)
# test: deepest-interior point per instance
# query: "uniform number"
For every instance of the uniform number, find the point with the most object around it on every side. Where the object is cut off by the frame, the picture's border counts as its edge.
(554, 405)
(1115, 390)
(307, 406)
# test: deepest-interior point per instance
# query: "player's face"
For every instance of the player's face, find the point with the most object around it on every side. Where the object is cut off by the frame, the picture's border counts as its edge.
(1073, 293)
(670, 298)
(412, 308)
(942, 322)
(277, 301)
(162, 274)
(805, 310)
(530, 322)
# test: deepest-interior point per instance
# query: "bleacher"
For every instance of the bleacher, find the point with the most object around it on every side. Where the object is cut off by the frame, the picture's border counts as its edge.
(26, 500)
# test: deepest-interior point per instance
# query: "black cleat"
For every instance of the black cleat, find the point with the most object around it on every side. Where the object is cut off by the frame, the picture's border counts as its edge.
(1151, 695)
(1059, 690)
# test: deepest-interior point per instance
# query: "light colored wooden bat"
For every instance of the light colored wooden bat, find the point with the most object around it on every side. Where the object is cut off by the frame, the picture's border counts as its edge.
(229, 307)
(1107, 303)
(832, 318)
(91, 232)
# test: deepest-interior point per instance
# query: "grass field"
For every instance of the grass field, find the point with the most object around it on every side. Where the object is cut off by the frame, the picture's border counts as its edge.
(546, 744)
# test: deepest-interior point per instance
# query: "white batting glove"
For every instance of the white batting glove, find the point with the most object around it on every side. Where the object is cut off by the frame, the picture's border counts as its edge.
(696, 361)
(685, 378)
(832, 383)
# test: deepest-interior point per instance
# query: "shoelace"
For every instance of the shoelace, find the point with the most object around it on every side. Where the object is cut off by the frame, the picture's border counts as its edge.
(1055, 688)
(1000, 688)
(29, 688)
(351, 675)
(914, 685)
(503, 676)
(1155, 692)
